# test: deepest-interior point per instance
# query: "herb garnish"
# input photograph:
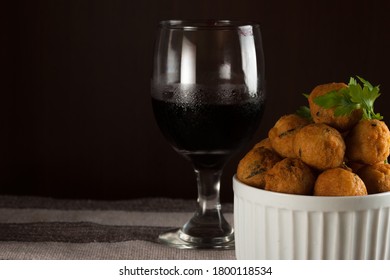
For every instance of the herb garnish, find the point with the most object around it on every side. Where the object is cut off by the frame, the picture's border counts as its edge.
(304, 112)
(353, 97)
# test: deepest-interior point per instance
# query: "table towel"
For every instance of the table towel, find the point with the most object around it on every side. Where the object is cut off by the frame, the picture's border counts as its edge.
(56, 229)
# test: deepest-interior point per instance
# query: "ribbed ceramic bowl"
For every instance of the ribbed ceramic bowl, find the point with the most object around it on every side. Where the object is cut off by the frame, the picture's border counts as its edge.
(270, 225)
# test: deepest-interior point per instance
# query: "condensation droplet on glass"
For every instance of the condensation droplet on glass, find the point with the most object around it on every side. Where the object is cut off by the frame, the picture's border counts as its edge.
(167, 95)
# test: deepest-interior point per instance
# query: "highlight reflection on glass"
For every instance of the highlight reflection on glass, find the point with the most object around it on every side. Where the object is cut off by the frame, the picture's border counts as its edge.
(208, 96)
(188, 63)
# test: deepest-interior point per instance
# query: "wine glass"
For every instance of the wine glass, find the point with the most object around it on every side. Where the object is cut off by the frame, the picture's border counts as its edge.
(208, 96)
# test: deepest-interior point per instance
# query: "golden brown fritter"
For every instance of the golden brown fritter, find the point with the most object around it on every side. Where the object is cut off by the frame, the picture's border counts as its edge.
(319, 146)
(253, 166)
(323, 115)
(339, 182)
(266, 143)
(283, 132)
(291, 176)
(376, 177)
(368, 142)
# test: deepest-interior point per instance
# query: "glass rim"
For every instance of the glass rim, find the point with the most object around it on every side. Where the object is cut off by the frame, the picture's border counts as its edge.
(207, 24)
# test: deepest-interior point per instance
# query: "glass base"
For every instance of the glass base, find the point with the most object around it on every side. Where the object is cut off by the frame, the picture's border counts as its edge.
(177, 239)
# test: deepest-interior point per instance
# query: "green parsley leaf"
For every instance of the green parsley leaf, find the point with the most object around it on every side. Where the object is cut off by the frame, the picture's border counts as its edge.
(365, 83)
(345, 110)
(352, 81)
(356, 96)
(304, 112)
(330, 100)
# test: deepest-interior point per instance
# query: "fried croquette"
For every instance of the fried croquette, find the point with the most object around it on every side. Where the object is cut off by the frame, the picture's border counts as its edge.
(368, 142)
(339, 182)
(283, 133)
(376, 177)
(253, 166)
(291, 176)
(266, 143)
(326, 116)
(319, 146)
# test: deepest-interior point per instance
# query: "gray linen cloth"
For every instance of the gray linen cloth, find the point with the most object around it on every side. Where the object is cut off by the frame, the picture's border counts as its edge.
(55, 229)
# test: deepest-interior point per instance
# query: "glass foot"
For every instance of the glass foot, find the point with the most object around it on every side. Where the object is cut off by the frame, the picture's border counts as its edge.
(177, 239)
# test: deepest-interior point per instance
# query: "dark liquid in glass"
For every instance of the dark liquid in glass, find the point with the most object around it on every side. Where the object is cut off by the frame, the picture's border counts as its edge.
(207, 133)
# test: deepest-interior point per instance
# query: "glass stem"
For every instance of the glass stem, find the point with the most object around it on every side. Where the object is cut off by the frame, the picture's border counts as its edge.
(208, 224)
(208, 189)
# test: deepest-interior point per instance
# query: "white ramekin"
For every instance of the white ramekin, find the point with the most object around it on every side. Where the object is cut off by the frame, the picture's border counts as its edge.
(270, 225)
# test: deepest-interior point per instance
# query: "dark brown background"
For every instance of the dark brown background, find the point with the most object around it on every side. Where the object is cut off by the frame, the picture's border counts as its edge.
(75, 113)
